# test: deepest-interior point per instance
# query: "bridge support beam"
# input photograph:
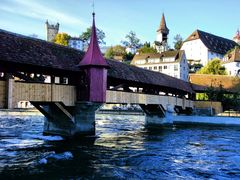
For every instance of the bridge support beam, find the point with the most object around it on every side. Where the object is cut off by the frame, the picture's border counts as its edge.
(65, 121)
(157, 116)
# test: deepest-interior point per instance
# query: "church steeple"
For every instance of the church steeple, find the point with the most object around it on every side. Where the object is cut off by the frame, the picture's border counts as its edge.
(93, 56)
(162, 36)
(163, 26)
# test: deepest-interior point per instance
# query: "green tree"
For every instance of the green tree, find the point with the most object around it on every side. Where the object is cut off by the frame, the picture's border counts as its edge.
(213, 67)
(109, 53)
(146, 49)
(178, 41)
(117, 50)
(62, 39)
(86, 35)
(132, 40)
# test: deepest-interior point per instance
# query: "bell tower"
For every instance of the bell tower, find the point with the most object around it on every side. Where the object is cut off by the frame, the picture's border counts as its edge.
(162, 36)
(51, 30)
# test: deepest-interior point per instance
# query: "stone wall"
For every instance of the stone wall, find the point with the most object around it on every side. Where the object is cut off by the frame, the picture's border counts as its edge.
(217, 106)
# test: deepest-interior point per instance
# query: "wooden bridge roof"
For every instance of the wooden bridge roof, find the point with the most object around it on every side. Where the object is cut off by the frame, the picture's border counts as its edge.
(39, 55)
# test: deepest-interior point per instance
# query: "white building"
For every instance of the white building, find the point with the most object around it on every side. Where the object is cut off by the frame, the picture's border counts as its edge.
(76, 43)
(232, 62)
(172, 63)
(202, 46)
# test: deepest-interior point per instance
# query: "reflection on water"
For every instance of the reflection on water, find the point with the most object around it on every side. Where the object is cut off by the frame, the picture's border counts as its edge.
(124, 149)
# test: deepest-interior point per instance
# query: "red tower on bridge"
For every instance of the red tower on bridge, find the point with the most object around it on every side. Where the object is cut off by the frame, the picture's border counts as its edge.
(95, 69)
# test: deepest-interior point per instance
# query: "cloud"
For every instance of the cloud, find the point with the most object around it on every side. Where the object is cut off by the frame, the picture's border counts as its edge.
(34, 9)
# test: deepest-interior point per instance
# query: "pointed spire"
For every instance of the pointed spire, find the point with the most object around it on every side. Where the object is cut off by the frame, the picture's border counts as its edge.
(93, 56)
(163, 25)
(237, 35)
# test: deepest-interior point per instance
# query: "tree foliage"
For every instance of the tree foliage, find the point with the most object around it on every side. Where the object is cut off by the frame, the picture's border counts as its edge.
(86, 35)
(213, 67)
(147, 49)
(117, 50)
(62, 39)
(178, 41)
(132, 40)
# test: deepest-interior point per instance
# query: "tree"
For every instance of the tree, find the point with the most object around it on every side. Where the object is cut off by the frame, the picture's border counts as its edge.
(117, 50)
(178, 41)
(131, 40)
(86, 35)
(109, 54)
(62, 39)
(146, 49)
(213, 67)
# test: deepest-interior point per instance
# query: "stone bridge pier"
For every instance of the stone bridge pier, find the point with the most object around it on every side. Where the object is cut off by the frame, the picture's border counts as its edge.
(157, 116)
(68, 121)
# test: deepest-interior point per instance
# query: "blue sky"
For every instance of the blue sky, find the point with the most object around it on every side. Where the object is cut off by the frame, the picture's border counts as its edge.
(117, 17)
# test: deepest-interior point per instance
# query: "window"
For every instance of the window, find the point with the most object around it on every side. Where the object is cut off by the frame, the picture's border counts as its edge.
(165, 67)
(155, 67)
(150, 68)
(160, 68)
(175, 67)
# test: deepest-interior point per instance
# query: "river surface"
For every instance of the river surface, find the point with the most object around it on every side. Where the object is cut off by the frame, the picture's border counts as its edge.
(124, 149)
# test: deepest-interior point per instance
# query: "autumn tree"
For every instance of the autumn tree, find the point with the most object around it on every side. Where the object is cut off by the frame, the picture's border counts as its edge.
(62, 39)
(213, 67)
(86, 35)
(178, 41)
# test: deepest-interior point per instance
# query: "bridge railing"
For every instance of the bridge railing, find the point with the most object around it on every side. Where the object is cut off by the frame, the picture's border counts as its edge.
(22, 91)
(115, 97)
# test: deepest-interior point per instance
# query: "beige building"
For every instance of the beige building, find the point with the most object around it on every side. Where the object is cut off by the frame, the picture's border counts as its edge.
(172, 63)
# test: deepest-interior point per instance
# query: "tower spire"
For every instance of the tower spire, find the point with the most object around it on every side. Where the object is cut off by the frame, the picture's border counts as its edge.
(236, 38)
(163, 25)
(93, 56)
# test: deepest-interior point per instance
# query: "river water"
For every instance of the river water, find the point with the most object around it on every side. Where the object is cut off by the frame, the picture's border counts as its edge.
(124, 149)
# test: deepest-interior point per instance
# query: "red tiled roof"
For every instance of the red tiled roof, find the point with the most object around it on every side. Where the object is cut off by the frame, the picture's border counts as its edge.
(163, 25)
(230, 83)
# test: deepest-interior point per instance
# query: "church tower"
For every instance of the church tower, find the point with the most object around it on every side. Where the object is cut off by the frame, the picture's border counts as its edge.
(236, 38)
(52, 31)
(162, 36)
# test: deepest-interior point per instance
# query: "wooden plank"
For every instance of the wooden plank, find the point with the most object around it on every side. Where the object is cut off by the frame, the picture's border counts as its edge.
(44, 93)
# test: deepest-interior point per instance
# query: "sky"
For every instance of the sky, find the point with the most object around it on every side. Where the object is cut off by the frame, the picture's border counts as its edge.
(118, 17)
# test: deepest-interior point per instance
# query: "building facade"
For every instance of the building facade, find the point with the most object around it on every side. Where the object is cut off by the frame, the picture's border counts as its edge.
(161, 43)
(172, 63)
(231, 62)
(51, 30)
(76, 43)
(202, 47)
